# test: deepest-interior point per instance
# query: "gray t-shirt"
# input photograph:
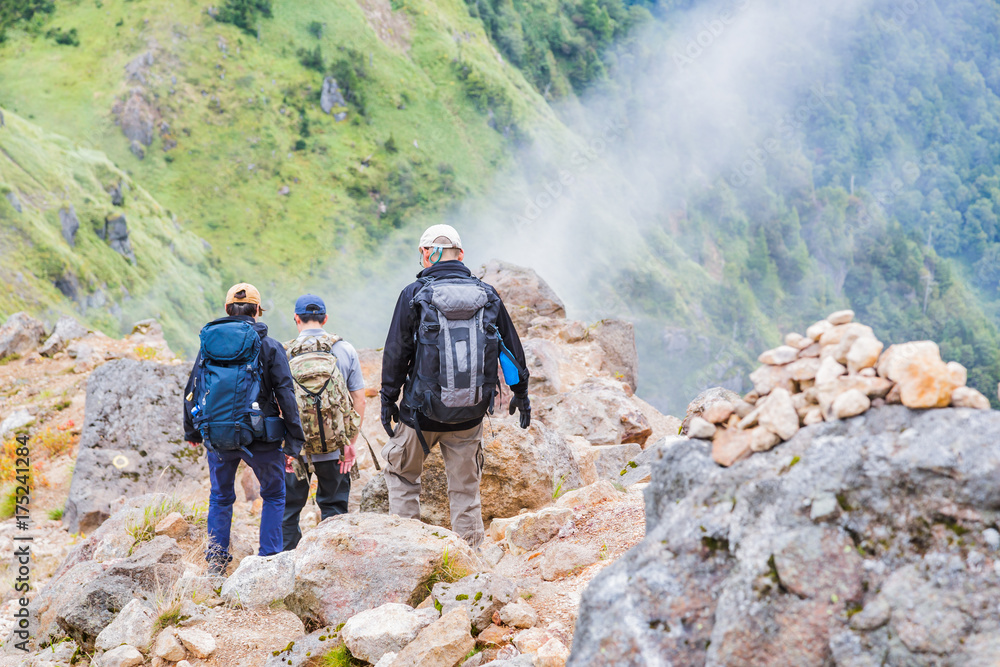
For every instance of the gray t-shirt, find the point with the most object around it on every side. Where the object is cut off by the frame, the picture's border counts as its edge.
(349, 366)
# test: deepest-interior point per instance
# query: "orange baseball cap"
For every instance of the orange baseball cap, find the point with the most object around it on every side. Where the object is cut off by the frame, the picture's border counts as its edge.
(243, 293)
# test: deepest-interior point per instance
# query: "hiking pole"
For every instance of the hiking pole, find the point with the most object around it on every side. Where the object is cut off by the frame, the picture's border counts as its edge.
(374, 458)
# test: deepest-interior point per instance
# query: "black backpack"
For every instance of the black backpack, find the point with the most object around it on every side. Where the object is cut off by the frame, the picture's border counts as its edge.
(454, 377)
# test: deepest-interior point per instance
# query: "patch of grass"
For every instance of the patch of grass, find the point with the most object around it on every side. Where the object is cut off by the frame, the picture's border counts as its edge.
(340, 657)
(56, 514)
(62, 405)
(146, 352)
(169, 615)
(9, 358)
(144, 529)
(7, 503)
(558, 491)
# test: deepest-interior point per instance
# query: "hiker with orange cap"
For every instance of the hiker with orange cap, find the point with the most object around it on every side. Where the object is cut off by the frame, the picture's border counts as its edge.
(240, 404)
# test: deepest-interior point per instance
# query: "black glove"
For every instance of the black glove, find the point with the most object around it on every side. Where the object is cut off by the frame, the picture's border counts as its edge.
(390, 412)
(521, 402)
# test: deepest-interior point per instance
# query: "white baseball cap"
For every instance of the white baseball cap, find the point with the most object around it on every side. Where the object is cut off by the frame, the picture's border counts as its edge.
(435, 231)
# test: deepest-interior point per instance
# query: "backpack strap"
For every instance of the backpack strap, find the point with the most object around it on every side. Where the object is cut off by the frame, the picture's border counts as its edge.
(315, 396)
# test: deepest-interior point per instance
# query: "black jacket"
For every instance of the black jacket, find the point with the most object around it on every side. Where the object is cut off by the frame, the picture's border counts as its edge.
(277, 390)
(398, 354)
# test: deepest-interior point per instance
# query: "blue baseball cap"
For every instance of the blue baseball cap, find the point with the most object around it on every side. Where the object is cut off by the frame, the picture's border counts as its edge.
(310, 304)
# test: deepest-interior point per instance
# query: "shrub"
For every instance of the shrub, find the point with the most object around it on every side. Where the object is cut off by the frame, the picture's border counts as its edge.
(312, 59)
(244, 13)
(68, 38)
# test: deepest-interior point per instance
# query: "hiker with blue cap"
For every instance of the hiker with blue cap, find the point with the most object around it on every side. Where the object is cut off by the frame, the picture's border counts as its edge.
(330, 392)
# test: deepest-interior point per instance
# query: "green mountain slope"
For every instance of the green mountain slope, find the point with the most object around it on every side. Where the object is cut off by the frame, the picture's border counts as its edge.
(66, 248)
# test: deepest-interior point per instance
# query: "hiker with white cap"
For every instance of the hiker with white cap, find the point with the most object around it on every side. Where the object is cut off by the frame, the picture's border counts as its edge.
(443, 353)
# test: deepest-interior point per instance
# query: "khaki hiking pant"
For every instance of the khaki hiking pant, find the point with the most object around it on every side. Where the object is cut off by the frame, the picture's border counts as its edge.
(463, 463)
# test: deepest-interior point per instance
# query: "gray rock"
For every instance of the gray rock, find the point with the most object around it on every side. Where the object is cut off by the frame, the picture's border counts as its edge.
(260, 580)
(375, 495)
(639, 469)
(83, 596)
(70, 224)
(519, 614)
(14, 201)
(610, 460)
(133, 626)
(353, 562)
(617, 339)
(384, 629)
(331, 96)
(116, 234)
(20, 334)
(304, 650)
(117, 196)
(137, 149)
(137, 119)
(14, 421)
(132, 441)
(480, 594)
(67, 330)
(123, 656)
(733, 569)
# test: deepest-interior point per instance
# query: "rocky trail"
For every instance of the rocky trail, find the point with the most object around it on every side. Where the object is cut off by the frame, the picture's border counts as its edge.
(817, 520)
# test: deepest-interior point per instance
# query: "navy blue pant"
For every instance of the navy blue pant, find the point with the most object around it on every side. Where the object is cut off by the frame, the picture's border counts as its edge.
(332, 492)
(269, 467)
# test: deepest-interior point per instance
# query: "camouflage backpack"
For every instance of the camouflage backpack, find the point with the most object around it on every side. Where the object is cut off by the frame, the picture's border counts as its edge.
(325, 409)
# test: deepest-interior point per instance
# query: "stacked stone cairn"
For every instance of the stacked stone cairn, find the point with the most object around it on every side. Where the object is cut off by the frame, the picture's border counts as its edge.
(837, 370)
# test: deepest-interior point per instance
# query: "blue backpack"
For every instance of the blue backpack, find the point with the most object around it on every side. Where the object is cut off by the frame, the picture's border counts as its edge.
(227, 386)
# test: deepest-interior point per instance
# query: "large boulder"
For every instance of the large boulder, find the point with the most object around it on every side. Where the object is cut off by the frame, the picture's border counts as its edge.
(132, 441)
(861, 542)
(260, 580)
(523, 291)
(80, 601)
(597, 410)
(21, 333)
(521, 470)
(67, 330)
(354, 562)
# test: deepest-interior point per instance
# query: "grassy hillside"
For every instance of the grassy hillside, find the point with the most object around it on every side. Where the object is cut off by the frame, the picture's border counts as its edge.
(240, 149)
(162, 272)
